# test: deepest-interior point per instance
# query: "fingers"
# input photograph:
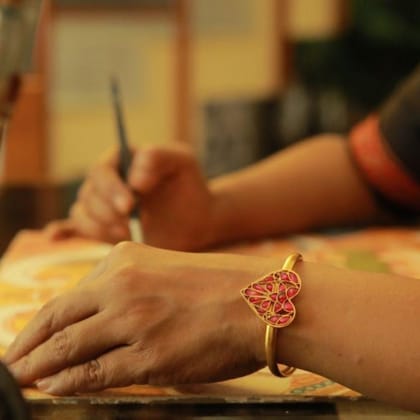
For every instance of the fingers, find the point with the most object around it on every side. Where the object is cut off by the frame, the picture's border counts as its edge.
(151, 166)
(103, 204)
(53, 317)
(60, 229)
(99, 208)
(70, 346)
(112, 369)
(90, 226)
(111, 189)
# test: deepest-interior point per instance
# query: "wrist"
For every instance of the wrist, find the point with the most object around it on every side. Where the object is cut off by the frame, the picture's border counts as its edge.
(256, 325)
(271, 297)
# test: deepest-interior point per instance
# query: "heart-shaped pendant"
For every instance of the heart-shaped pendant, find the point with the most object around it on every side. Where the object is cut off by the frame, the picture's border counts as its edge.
(271, 297)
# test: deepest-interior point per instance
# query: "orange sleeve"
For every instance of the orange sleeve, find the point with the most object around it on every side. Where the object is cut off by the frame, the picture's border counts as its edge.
(381, 167)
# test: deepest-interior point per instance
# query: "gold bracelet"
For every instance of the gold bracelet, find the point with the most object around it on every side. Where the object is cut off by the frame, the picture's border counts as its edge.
(270, 297)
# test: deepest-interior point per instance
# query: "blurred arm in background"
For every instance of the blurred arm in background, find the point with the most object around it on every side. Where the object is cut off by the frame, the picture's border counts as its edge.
(322, 182)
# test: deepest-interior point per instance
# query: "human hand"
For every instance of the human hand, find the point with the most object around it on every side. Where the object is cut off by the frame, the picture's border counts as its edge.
(177, 209)
(101, 208)
(145, 316)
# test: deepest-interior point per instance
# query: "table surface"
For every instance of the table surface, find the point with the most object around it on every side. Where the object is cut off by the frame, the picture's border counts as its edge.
(81, 408)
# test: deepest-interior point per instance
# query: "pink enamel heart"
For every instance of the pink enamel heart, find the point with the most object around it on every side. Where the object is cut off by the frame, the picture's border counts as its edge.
(271, 297)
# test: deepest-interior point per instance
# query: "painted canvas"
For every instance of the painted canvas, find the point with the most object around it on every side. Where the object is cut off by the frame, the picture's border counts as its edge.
(34, 270)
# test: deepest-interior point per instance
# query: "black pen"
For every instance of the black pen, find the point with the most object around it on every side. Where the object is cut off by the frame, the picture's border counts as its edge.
(125, 159)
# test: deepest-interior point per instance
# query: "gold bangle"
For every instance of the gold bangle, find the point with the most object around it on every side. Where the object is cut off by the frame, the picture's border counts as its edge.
(271, 299)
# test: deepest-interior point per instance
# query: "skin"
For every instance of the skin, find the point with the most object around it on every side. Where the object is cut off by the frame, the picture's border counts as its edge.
(180, 210)
(176, 205)
(195, 309)
(169, 317)
(310, 185)
(213, 334)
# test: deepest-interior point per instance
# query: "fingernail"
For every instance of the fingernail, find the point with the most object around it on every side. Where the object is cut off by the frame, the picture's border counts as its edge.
(15, 370)
(121, 203)
(45, 384)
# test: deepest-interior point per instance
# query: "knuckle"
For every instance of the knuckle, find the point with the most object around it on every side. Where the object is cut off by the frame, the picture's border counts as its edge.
(145, 352)
(26, 364)
(122, 249)
(96, 207)
(126, 271)
(136, 314)
(124, 259)
(46, 324)
(46, 317)
(126, 278)
(61, 344)
(94, 372)
(144, 371)
(27, 368)
(153, 155)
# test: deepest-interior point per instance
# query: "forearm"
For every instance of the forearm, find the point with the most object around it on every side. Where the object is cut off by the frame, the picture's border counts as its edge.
(359, 329)
(312, 184)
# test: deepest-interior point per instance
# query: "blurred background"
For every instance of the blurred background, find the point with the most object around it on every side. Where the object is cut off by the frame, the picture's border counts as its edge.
(235, 79)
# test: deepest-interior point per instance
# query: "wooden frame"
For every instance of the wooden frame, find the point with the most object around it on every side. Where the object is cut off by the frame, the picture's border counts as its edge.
(178, 11)
(26, 159)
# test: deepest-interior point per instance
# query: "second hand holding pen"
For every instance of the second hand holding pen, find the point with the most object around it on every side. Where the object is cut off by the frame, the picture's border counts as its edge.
(125, 159)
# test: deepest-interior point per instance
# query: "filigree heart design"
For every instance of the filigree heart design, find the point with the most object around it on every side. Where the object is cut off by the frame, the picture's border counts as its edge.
(271, 297)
